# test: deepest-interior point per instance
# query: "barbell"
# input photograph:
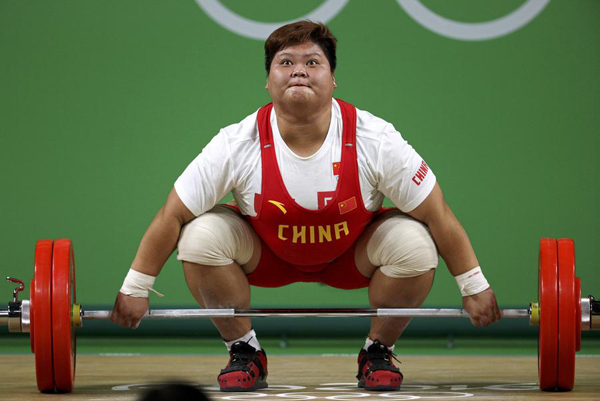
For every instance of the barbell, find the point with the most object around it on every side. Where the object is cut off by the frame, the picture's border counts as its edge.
(52, 315)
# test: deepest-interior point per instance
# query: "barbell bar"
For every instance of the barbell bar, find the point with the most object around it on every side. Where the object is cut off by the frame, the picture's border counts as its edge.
(52, 315)
(310, 312)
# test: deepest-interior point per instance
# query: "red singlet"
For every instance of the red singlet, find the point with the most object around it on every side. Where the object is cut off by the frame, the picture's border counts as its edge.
(309, 240)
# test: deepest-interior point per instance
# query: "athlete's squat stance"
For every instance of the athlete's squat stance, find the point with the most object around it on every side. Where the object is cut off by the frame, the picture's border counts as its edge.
(309, 174)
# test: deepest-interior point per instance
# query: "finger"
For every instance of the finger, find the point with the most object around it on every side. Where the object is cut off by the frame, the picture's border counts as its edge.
(475, 322)
(484, 320)
(113, 317)
(123, 321)
(132, 323)
(120, 321)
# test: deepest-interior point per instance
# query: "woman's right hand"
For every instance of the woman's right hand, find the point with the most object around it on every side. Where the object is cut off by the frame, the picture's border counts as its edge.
(128, 311)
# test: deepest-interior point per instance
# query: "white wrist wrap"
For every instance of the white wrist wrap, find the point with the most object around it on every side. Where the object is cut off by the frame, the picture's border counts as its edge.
(138, 284)
(472, 282)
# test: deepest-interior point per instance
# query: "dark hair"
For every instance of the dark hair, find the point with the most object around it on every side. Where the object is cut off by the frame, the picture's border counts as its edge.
(297, 33)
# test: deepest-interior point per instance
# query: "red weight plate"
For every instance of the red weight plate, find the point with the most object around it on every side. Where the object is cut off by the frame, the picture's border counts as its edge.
(41, 316)
(578, 318)
(567, 314)
(63, 297)
(548, 328)
(31, 314)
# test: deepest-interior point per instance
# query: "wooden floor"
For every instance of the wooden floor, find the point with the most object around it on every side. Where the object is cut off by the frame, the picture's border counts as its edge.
(305, 378)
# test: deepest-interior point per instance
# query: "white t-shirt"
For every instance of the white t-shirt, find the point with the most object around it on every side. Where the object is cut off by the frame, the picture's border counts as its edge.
(388, 167)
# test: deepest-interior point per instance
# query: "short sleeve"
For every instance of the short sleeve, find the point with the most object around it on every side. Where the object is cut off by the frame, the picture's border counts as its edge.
(208, 178)
(404, 177)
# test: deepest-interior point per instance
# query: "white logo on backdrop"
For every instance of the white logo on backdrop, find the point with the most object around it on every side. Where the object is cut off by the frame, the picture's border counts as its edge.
(261, 30)
(473, 31)
(467, 31)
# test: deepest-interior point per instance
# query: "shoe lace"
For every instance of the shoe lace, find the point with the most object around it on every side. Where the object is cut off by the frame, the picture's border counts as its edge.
(380, 358)
(241, 354)
(383, 356)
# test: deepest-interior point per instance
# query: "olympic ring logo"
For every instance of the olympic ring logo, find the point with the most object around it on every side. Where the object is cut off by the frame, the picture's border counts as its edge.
(425, 17)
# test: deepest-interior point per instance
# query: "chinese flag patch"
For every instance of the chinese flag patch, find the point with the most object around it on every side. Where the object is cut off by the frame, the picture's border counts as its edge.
(336, 168)
(347, 205)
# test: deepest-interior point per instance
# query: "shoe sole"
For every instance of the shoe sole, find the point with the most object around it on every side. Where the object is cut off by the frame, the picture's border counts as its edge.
(361, 384)
(259, 384)
(382, 388)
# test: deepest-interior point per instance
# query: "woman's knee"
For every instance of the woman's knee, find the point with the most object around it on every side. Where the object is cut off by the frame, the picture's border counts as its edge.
(218, 237)
(402, 247)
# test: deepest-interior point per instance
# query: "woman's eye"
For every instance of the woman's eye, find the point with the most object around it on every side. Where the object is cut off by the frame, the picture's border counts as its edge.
(286, 62)
(312, 62)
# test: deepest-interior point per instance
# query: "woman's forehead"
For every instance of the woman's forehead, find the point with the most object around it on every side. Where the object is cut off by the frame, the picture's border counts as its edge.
(302, 49)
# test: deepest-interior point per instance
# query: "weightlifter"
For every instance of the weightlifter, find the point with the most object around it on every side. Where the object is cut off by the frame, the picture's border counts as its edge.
(308, 174)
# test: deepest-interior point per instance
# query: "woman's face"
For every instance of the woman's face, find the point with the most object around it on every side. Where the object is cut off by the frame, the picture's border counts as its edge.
(301, 74)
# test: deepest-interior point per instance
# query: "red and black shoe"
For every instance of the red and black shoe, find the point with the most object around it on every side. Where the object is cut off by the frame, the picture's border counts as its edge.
(246, 369)
(376, 371)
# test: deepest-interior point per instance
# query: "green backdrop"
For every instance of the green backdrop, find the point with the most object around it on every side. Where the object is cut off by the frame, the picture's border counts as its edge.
(104, 103)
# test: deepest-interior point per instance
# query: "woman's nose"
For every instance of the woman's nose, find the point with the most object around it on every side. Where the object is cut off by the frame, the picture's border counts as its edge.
(299, 72)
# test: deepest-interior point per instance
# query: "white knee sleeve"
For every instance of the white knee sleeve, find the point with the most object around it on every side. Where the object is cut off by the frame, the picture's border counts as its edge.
(402, 247)
(216, 238)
